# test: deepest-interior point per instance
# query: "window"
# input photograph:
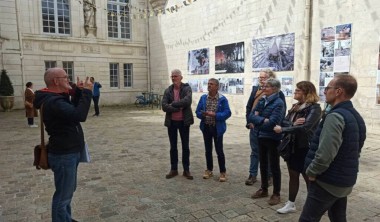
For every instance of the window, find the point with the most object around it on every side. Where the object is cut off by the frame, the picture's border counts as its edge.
(114, 75)
(50, 64)
(56, 16)
(69, 69)
(119, 25)
(128, 75)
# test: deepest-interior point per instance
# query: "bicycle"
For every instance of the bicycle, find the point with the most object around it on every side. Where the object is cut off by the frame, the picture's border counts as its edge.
(148, 98)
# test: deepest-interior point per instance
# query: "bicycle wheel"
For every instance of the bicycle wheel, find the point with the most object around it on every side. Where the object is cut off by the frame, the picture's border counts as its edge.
(139, 103)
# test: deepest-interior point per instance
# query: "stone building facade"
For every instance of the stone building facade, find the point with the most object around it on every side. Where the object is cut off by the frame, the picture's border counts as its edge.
(162, 42)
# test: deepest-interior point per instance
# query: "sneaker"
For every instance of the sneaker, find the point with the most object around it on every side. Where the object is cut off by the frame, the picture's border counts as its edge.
(208, 174)
(187, 174)
(33, 126)
(251, 180)
(289, 207)
(171, 174)
(274, 199)
(259, 194)
(222, 177)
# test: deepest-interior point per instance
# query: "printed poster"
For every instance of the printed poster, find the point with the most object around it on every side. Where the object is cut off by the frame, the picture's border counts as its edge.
(198, 61)
(275, 53)
(229, 58)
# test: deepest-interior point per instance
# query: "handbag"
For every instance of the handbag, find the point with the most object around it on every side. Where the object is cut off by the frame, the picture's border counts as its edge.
(40, 151)
(284, 147)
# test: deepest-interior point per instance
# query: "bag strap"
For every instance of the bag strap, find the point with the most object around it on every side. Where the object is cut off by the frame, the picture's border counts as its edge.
(42, 128)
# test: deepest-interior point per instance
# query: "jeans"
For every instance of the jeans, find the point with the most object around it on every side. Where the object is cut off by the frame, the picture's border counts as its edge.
(64, 168)
(210, 134)
(268, 149)
(96, 104)
(254, 163)
(184, 132)
(318, 201)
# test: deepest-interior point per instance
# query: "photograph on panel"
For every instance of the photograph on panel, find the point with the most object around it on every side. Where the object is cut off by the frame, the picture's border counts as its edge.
(236, 85)
(275, 53)
(325, 78)
(223, 85)
(328, 34)
(343, 32)
(203, 84)
(198, 61)
(327, 49)
(229, 58)
(194, 85)
(326, 64)
(322, 96)
(343, 47)
(287, 85)
(342, 64)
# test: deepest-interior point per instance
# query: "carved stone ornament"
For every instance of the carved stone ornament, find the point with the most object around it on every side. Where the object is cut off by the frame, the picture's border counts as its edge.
(158, 4)
(89, 12)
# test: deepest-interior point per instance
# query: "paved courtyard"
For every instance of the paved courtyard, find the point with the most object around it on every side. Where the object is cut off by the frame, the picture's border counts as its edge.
(126, 179)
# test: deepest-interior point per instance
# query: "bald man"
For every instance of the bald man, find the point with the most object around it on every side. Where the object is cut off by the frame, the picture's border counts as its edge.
(66, 140)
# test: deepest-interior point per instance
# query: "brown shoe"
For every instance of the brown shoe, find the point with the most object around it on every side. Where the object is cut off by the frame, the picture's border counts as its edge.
(274, 199)
(187, 175)
(222, 177)
(208, 174)
(172, 174)
(260, 194)
(250, 181)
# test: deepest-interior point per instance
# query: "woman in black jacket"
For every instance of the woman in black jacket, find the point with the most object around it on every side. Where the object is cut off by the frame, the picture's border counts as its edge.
(300, 123)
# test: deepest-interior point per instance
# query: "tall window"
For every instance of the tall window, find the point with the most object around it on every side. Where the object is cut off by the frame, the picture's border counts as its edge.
(128, 75)
(114, 75)
(50, 64)
(69, 69)
(56, 16)
(119, 25)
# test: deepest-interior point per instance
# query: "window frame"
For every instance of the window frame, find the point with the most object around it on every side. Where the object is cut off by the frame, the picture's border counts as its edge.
(117, 3)
(67, 69)
(128, 77)
(50, 62)
(113, 74)
(56, 21)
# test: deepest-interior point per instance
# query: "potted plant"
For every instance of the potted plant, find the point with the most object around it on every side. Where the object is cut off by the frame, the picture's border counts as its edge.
(6, 92)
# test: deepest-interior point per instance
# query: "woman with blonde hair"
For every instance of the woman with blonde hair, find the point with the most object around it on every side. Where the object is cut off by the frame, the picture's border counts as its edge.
(300, 122)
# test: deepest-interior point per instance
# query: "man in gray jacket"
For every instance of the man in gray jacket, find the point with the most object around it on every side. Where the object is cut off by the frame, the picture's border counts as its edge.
(177, 105)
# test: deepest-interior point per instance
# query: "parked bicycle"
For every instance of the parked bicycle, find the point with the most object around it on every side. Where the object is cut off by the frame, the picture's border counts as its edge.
(148, 99)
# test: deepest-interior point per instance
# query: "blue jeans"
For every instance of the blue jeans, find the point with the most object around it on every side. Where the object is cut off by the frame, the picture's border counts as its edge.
(209, 135)
(184, 132)
(64, 168)
(254, 163)
(319, 201)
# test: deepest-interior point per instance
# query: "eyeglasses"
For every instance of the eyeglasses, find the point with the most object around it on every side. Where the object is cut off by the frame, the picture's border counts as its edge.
(330, 87)
(264, 87)
(174, 76)
(263, 77)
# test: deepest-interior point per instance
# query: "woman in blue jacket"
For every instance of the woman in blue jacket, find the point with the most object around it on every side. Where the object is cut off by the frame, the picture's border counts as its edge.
(268, 113)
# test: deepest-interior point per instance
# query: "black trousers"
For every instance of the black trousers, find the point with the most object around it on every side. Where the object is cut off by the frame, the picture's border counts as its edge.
(268, 148)
(184, 132)
(96, 104)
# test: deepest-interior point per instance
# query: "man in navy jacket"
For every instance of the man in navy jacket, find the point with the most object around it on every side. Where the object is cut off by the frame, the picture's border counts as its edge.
(332, 163)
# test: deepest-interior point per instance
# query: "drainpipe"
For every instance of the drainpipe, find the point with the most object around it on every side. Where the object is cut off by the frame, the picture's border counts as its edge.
(20, 43)
(149, 76)
(306, 41)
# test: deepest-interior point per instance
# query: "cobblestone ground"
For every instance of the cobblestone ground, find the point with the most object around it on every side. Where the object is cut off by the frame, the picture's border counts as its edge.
(126, 179)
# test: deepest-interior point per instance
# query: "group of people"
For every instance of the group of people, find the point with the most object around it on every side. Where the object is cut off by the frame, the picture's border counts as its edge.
(323, 146)
(213, 110)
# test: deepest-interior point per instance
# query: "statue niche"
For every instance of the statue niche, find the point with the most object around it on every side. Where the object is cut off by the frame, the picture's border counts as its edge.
(89, 12)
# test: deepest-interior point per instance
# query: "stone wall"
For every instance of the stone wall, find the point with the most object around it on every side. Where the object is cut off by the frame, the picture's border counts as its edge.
(206, 24)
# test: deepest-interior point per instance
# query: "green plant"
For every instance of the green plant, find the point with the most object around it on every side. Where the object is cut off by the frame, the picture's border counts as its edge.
(6, 87)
